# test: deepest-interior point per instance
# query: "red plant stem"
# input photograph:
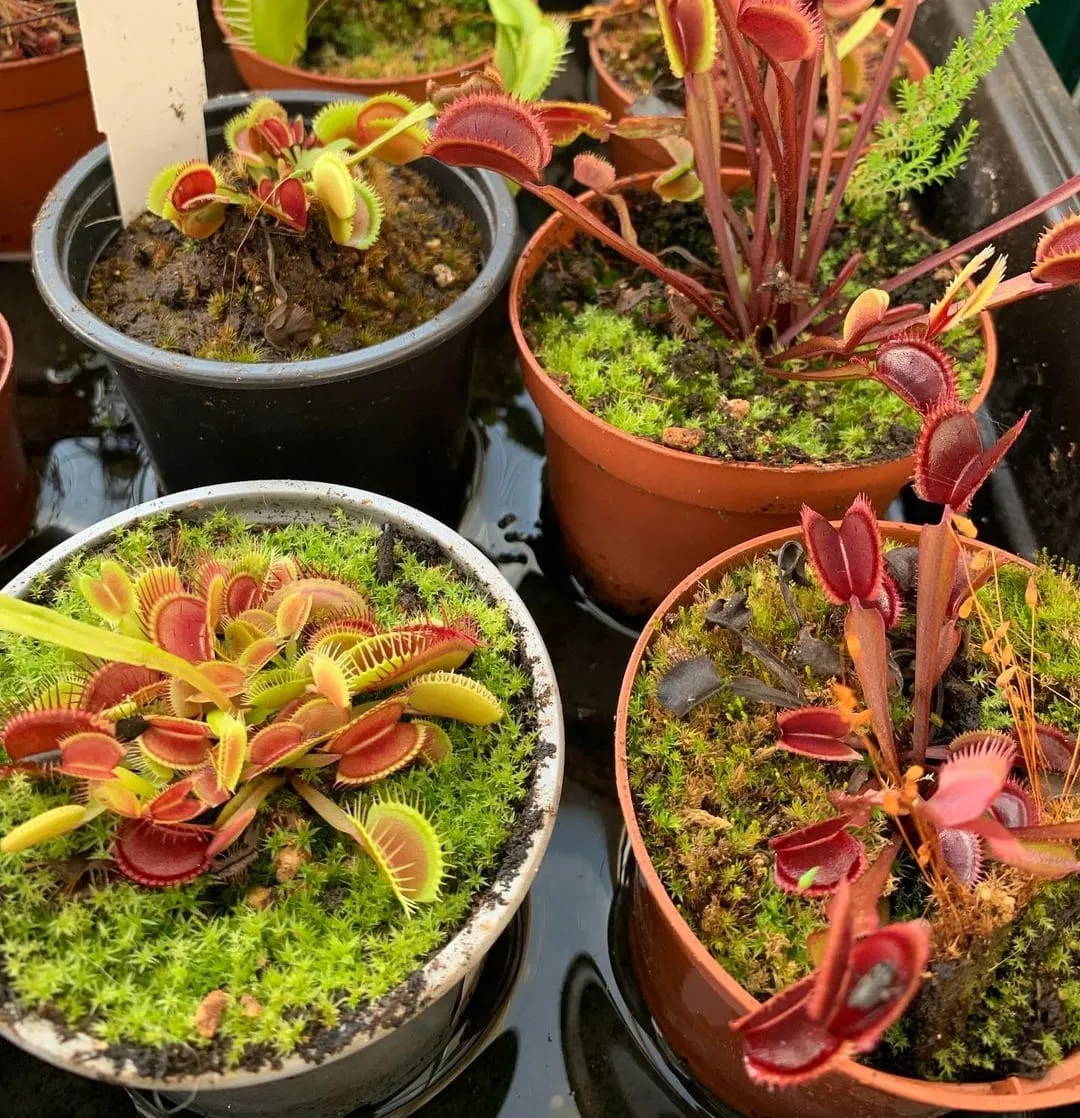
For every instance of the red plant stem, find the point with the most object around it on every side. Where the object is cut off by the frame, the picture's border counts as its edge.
(832, 292)
(703, 121)
(896, 319)
(748, 71)
(1013, 290)
(1033, 209)
(742, 111)
(762, 236)
(834, 87)
(811, 80)
(585, 219)
(938, 553)
(868, 646)
(819, 235)
(837, 373)
(787, 180)
(771, 250)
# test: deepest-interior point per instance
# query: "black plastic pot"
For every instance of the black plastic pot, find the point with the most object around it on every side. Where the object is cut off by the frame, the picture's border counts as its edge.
(392, 418)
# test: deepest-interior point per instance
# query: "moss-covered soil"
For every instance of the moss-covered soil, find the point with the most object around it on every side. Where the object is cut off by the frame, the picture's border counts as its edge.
(396, 38)
(632, 48)
(606, 334)
(212, 298)
(1003, 1003)
(309, 935)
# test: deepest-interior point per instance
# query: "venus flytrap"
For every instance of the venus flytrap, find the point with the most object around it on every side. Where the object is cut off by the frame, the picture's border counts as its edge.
(952, 808)
(769, 293)
(247, 675)
(279, 169)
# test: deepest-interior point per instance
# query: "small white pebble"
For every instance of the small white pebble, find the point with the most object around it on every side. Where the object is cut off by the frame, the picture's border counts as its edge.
(444, 276)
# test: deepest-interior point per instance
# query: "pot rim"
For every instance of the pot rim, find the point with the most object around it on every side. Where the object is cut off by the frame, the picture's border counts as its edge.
(341, 83)
(19, 67)
(48, 258)
(633, 444)
(7, 353)
(915, 58)
(447, 966)
(1008, 1095)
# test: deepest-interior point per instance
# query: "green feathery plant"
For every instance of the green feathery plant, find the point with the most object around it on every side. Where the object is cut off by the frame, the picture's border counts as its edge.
(911, 151)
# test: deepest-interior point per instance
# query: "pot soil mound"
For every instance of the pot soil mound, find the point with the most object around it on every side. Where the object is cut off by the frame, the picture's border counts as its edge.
(607, 335)
(1001, 998)
(212, 298)
(396, 38)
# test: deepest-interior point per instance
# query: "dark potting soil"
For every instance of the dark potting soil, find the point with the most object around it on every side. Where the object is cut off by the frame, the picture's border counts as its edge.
(212, 298)
(666, 377)
(632, 48)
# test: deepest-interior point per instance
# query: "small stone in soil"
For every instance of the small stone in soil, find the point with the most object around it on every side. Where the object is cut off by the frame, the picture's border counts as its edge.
(682, 438)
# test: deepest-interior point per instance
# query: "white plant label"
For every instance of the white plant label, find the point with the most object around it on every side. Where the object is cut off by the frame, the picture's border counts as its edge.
(148, 83)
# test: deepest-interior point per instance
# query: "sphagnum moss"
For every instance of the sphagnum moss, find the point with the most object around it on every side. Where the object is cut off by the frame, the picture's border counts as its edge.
(632, 368)
(131, 965)
(707, 803)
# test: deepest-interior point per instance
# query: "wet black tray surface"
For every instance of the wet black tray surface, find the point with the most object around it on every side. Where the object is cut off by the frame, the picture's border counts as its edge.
(557, 1028)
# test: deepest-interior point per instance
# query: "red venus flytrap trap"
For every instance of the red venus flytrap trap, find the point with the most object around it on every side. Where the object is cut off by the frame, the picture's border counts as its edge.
(770, 253)
(212, 689)
(951, 807)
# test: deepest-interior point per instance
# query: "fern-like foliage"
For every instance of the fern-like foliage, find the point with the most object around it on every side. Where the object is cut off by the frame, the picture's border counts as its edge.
(911, 150)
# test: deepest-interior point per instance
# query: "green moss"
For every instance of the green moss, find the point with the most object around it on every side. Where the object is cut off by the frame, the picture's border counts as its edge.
(635, 371)
(709, 799)
(708, 804)
(396, 38)
(132, 965)
(1057, 637)
(1028, 1015)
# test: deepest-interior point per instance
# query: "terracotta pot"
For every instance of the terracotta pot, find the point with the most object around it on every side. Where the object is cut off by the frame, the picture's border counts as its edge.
(692, 998)
(631, 157)
(263, 73)
(637, 516)
(18, 485)
(47, 121)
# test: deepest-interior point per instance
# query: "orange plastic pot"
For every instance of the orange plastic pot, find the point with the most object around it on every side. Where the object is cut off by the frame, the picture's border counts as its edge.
(18, 486)
(693, 999)
(47, 120)
(637, 516)
(632, 157)
(262, 73)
